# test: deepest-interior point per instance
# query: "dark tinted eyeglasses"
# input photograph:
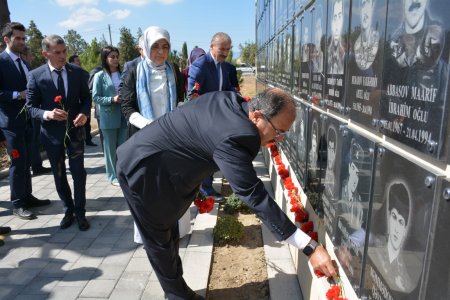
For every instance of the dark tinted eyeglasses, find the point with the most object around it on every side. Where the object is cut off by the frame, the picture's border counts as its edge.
(278, 132)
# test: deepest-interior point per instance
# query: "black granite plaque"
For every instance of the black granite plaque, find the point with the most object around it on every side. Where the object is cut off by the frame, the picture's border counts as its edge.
(314, 155)
(301, 134)
(305, 65)
(331, 173)
(415, 104)
(296, 57)
(399, 227)
(437, 271)
(338, 20)
(319, 13)
(364, 80)
(353, 204)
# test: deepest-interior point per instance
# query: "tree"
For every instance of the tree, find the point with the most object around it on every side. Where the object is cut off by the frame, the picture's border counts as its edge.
(230, 57)
(35, 37)
(174, 57)
(74, 42)
(127, 46)
(184, 56)
(4, 18)
(139, 33)
(248, 53)
(90, 58)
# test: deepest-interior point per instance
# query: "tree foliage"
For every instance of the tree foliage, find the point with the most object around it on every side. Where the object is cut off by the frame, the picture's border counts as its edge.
(4, 18)
(184, 56)
(248, 53)
(90, 58)
(75, 44)
(127, 46)
(34, 42)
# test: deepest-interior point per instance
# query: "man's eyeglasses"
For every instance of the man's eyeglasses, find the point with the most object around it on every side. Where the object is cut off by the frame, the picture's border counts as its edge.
(278, 132)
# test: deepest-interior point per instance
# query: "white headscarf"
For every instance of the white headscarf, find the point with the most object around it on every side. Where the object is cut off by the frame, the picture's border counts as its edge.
(151, 35)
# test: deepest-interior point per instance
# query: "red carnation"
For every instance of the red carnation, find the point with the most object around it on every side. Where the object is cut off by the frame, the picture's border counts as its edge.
(197, 86)
(314, 235)
(58, 99)
(15, 154)
(301, 216)
(319, 273)
(307, 227)
(333, 293)
(204, 205)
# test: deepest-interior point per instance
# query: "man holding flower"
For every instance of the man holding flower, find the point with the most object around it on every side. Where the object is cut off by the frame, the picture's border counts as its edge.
(58, 95)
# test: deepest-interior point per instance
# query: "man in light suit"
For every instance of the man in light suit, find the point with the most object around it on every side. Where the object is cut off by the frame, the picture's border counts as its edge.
(211, 73)
(13, 120)
(161, 166)
(62, 123)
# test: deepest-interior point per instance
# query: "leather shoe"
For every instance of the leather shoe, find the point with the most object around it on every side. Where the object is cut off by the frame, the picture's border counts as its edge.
(32, 201)
(218, 198)
(66, 221)
(5, 230)
(23, 213)
(83, 224)
(2, 243)
(91, 144)
(41, 170)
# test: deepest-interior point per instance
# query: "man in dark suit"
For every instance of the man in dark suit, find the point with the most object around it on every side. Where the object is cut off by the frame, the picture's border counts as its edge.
(161, 166)
(14, 122)
(211, 73)
(58, 95)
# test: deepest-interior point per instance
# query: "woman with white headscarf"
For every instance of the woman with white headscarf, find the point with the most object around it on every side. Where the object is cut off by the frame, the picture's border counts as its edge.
(151, 89)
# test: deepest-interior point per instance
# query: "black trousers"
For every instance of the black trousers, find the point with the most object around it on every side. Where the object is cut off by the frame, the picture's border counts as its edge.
(161, 242)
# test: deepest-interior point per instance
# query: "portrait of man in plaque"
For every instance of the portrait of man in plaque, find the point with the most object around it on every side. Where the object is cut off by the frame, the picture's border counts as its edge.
(313, 152)
(366, 45)
(317, 53)
(330, 183)
(389, 257)
(306, 44)
(418, 44)
(301, 142)
(336, 50)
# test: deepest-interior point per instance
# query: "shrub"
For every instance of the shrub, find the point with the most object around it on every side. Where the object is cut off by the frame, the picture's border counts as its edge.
(228, 230)
(233, 205)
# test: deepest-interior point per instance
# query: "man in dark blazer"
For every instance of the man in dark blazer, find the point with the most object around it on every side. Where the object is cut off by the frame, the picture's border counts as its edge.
(62, 123)
(161, 166)
(211, 73)
(13, 120)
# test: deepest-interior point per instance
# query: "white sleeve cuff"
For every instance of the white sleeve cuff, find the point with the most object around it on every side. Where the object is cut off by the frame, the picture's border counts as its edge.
(299, 239)
(45, 116)
(15, 95)
(138, 120)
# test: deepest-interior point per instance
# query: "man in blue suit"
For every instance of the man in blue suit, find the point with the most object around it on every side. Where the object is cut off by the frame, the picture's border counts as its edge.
(210, 73)
(13, 120)
(58, 95)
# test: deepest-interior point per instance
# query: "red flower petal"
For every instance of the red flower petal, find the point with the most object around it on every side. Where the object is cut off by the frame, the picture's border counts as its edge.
(15, 154)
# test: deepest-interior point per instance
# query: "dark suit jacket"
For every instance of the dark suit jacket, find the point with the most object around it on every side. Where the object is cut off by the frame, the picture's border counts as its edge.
(204, 72)
(188, 144)
(129, 102)
(40, 97)
(10, 81)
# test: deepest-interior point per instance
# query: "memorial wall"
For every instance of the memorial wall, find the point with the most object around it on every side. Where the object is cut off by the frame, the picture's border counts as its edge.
(370, 141)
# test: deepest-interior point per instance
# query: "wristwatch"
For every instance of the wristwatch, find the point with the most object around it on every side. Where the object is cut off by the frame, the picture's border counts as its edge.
(309, 249)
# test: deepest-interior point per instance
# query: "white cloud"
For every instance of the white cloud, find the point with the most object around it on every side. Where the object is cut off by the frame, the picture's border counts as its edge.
(120, 14)
(83, 16)
(144, 2)
(76, 2)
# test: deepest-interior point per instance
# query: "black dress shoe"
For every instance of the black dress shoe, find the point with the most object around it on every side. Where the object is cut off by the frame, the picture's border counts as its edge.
(41, 170)
(83, 224)
(32, 201)
(23, 213)
(2, 243)
(218, 198)
(66, 221)
(91, 144)
(5, 230)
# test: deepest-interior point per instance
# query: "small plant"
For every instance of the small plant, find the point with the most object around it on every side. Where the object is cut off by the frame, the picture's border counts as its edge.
(233, 205)
(228, 230)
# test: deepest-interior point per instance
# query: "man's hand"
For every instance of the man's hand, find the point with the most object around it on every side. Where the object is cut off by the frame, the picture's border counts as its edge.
(80, 120)
(57, 115)
(321, 261)
(23, 94)
(117, 99)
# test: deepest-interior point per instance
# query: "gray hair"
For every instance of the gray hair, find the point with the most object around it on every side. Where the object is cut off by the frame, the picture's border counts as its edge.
(220, 36)
(270, 102)
(51, 40)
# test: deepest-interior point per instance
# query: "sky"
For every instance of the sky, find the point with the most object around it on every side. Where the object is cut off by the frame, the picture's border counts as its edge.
(190, 21)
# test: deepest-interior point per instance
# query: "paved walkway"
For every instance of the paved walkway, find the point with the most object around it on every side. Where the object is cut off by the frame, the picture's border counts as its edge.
(41, 261)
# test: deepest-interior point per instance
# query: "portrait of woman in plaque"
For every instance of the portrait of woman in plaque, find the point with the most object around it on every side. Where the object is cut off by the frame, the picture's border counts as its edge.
(313, 151)
(330, 184)
(336, 50)
(366, 45)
